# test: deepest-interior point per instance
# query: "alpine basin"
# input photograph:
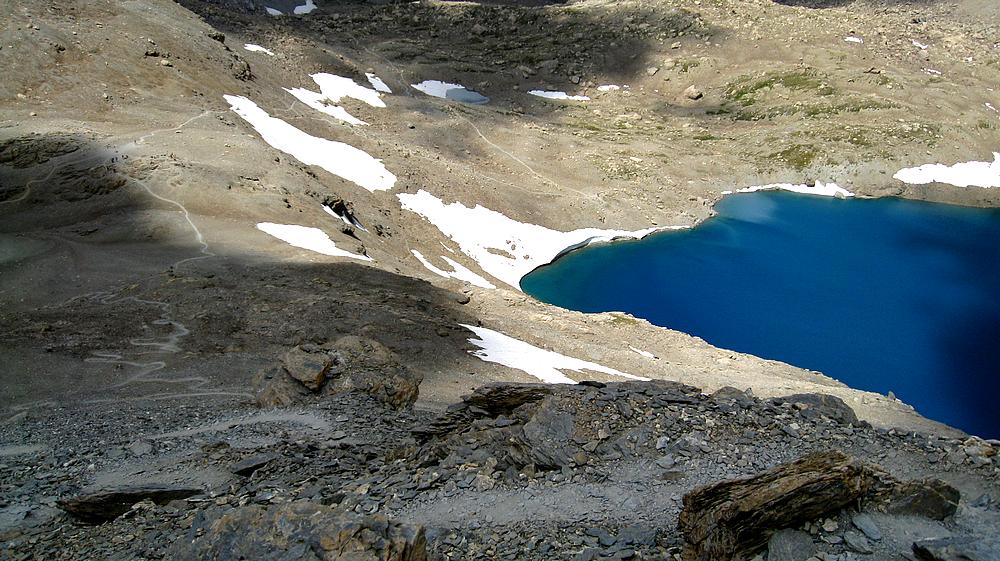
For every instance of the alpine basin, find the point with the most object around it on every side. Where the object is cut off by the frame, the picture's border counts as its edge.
(884, 295)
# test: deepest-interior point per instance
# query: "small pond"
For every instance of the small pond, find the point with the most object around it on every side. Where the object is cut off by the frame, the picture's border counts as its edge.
(884, 295)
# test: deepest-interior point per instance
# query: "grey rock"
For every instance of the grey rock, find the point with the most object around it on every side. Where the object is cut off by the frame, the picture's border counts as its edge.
(930, 498)
(958, 548)
(247, 466)
(857, 542)
(790, 545)
(693, 93)
(867, 526)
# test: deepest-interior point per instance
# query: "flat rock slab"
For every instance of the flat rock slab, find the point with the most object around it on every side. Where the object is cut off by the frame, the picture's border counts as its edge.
(958, 548)
(790, 545)
(107, 504)
(248, 465)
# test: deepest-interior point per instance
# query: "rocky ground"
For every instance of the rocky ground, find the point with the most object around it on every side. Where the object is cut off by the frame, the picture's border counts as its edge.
(148, 326)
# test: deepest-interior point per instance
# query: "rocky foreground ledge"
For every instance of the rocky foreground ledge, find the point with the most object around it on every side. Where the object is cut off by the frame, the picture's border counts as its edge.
(650, 470)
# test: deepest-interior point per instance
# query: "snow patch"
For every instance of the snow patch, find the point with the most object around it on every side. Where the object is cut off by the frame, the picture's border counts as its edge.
(608, 88)
(545, 365)
(342, 160)
(503, 247)
(257, 49)
(932, 72)
(377, 83)
(853, 39)
(562, 96)
(305, 8)
(332, 89)
(962, 174)
(646, 354)
(273, 12)
(919, 45)
(820, 188)
(312, 239)
(446, 90)
(458, 271)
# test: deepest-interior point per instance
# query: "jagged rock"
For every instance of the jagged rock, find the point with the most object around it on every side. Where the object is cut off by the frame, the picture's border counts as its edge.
(301, 531)
(277, 388)
(693, 93)
(372, 368)
(790, 545)
(247, 466)
(546, 438)
(729, 394)
(931, 498)
(490, 401)
(736, 517)
(815, 405)
(958, 548)
(308, 365)
(107, 504)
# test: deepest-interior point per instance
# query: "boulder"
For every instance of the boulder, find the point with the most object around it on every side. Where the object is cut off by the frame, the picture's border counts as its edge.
(300, 531)
(737, 517)
(489, 401)
(693, 93)
(250, 464)
(370, 367)
(308, 365)
(107, 504)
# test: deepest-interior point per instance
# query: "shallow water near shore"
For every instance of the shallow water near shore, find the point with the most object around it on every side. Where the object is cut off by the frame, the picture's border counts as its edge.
(883, 295)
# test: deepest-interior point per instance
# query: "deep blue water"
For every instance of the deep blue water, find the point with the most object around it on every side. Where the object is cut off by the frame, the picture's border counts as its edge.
(883, 295)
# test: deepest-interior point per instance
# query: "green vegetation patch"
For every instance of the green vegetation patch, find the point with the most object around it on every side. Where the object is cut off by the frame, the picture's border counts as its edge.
(745, 90)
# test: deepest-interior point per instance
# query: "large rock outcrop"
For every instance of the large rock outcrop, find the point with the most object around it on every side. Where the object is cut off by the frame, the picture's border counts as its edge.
(350, 363)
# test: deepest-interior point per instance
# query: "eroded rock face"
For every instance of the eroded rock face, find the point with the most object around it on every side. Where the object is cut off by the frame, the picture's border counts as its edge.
(300, 531)
(350, 363)
(931, 498)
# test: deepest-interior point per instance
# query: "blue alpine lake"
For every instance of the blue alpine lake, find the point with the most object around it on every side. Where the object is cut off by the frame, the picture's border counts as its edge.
(883, 295)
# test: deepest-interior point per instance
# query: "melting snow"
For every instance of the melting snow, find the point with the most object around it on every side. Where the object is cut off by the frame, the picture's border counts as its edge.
(445, 90)
(820, 188)
(257, 49)
(932, 72)
(377, 83)
(919, 45)
(305, 8)
(563, 96)
(503, 247)
(991, 108)
(273, 12)
(646, 354)
(852, 39)
(459, 272)
(332, 89)
(963, 174)
(545, 365)
(312, 239)
(608, 88)
(340, 159)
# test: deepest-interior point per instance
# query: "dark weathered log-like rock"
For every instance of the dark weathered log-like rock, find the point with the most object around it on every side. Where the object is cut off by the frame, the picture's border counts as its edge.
(736, 518)
(108, 504)
(300, 531)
